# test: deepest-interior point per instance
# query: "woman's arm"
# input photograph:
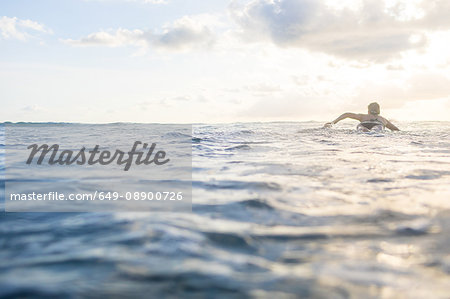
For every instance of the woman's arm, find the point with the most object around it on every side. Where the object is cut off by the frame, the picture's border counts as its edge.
(344, 116)
(391, 126)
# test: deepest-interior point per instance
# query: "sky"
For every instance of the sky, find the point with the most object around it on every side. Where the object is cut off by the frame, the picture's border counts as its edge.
(192, 61)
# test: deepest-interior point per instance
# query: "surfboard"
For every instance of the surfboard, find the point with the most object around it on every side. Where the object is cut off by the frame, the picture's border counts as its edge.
(370, 126)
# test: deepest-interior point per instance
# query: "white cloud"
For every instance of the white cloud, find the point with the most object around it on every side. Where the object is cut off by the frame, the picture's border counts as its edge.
(14, 28)
(424, 86)
(156, 1)
(263, 88)
(121, 37)
(371, 31)
(141, 1)
(184, 33)
(33, 109)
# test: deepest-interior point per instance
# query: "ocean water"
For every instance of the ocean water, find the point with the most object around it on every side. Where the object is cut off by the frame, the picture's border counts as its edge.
(279, 210)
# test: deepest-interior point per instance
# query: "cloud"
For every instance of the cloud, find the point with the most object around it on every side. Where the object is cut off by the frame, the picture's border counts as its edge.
(155, 1)
(121, 37)
(185, 33)
(374, 31)
(14, 28)
(419, 87)
(263, 88)
(33, 109)
(286, 106)
(141, 1)
(173, 101)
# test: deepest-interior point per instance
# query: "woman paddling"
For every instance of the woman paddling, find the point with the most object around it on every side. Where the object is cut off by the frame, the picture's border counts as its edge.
(368, 122)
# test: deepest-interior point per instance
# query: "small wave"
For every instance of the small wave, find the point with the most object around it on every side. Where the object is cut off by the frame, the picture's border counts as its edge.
(310, 131)
(235, 162)
(379, 180)
(427, 174)
(198, 139)
(410, 231)
(233, 206)
(256, 203)
(292, 237)
(441, 151)
(19, 291)
(414, 228)
(244, 132)
(239, 147)
(328, 142)
(199, 281)
(229, 240)
(176, 135)
(416, 143)
(237, 185)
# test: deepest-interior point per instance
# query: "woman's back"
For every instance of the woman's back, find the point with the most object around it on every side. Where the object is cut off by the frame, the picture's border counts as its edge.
(373, 117)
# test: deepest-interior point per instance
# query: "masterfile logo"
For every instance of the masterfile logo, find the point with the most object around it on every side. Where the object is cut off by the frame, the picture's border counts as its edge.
(95, 156)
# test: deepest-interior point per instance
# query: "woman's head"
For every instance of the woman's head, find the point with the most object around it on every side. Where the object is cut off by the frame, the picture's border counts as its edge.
(374, 108)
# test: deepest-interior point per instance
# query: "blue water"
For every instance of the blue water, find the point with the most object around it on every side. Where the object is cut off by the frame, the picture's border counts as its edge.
(279, 210)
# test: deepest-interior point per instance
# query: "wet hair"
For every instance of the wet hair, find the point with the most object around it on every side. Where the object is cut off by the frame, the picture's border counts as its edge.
(374, 108)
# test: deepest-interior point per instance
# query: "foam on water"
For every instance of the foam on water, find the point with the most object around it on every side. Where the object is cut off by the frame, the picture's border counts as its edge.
(279, 209)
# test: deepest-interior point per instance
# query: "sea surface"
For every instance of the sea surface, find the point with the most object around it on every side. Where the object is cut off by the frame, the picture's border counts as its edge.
(279, 210)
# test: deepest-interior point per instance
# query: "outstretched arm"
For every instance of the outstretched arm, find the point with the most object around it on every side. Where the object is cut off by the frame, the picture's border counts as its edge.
(391, 126)
(344, 116)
